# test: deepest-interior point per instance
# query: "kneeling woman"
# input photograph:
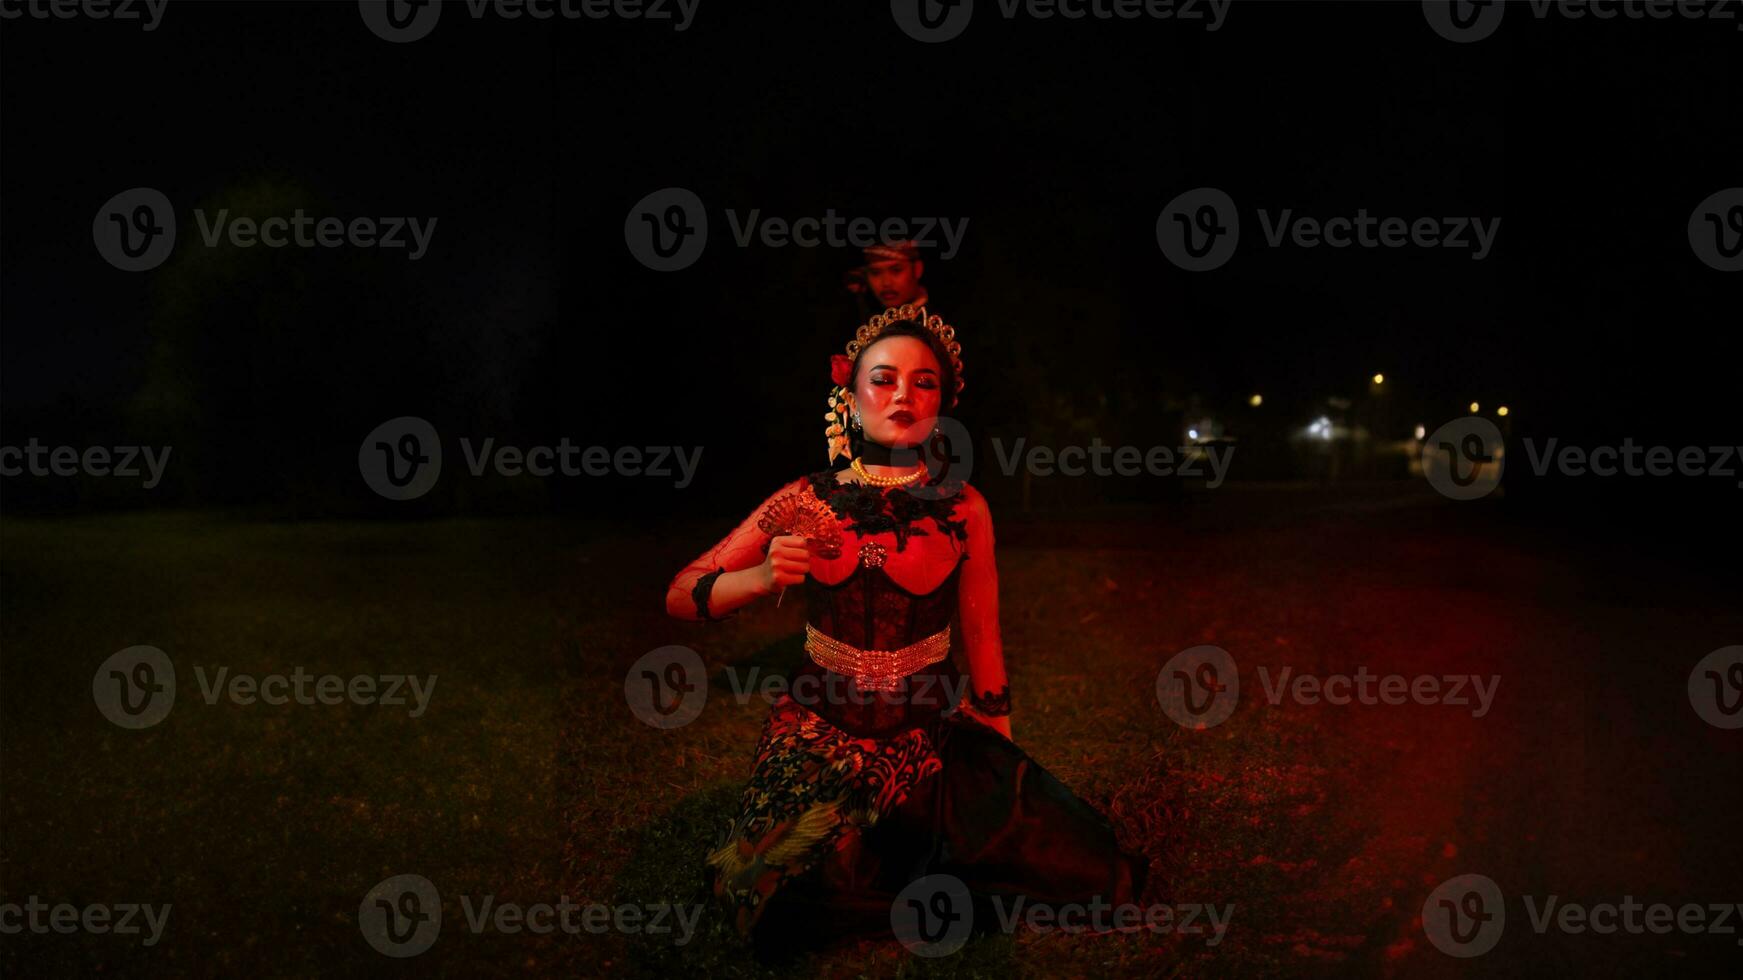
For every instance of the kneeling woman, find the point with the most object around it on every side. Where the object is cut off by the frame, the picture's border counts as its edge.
(885, 764)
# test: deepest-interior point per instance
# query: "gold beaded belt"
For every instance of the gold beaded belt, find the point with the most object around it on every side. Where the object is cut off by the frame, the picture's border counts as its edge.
(875, 670)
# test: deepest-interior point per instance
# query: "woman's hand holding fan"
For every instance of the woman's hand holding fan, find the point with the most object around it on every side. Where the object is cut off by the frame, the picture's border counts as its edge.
(801, 514)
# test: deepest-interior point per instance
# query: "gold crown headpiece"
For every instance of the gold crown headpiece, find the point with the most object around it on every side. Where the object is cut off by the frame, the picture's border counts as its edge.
(934, 325)
(863, 338)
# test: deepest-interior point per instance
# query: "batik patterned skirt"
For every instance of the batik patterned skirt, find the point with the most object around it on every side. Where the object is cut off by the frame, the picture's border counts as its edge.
(833, 825)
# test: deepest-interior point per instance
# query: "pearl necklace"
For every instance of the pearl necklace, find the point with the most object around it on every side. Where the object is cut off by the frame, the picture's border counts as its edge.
(885, 481)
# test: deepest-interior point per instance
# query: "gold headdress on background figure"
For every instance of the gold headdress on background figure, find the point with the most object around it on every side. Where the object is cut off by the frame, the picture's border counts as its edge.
(841, 366)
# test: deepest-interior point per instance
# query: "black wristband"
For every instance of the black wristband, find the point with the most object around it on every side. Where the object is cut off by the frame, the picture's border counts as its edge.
(993, 704)
(699, 594)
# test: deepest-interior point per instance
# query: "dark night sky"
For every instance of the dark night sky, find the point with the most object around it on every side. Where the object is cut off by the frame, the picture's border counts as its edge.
(1060, 142)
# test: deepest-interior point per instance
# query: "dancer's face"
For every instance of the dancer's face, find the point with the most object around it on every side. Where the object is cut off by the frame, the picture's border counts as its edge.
(898, 391)
(894, 281)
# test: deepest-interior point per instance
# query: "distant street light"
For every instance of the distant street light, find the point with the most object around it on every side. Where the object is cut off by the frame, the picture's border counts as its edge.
(1379, 379)
(1501, 411)
(1474, 408)
(1255, 401)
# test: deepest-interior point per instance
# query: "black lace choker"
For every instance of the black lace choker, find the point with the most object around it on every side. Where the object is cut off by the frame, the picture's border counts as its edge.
(877, 454)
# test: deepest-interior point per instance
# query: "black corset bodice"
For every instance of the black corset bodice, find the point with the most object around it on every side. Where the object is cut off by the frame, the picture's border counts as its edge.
(869, 610)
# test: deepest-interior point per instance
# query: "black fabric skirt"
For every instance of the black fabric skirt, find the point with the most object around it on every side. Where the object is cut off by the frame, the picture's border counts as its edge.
(976, 806)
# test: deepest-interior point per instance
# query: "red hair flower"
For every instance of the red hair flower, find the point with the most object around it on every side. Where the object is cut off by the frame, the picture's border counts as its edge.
(840, 369)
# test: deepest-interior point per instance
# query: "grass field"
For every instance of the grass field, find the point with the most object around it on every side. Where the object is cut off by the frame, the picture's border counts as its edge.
(528, 779)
